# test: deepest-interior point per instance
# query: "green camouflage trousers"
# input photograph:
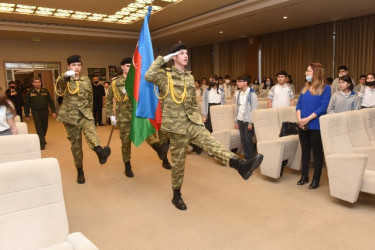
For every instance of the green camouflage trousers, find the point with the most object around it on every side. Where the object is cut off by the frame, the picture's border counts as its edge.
(75, 137)
(202, 138)
(124, 128)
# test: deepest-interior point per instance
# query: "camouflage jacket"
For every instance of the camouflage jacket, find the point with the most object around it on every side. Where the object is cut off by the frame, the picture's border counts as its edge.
(176, 117)
(76, 105)
(125, 112)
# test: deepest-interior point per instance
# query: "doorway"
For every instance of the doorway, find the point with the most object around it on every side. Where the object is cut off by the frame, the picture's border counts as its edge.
(23, 73)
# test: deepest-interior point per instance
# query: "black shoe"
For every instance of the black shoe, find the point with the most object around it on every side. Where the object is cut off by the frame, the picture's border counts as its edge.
(177, 200)
(166, 164)
(314, 184)
(81, 176)
(102, 153)
(161, 150)
(246, 168)
(196, 149)
(283, 164)
(42, 146)
(128, 170)
(304, 179)
(100, 124)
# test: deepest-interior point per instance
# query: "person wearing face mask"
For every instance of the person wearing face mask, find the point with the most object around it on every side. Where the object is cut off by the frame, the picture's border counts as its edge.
(213, 95)
(227, 86)
(99, 99)
(16, 97)
(255, 85)
(341, 71)
(369, 97)
(263, 93)
(312, 103)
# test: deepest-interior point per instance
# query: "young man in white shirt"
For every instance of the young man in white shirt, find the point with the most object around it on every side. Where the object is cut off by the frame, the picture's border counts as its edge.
(280, 95)
(246, 101)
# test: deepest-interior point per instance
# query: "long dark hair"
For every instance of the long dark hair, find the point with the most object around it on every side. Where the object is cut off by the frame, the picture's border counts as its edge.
(217, 83)
(4, 101)
(265, 85)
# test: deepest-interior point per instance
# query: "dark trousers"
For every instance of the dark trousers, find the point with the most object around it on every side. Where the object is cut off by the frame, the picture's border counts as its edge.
(19, 112)
(41, 123)
(311, 139)
(246, 139)
(97, 111)
(208, 123)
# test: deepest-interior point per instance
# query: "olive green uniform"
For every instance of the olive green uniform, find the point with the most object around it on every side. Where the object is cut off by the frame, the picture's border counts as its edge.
(124, 115)
(76, 114)
(38, 102)
(182, 122)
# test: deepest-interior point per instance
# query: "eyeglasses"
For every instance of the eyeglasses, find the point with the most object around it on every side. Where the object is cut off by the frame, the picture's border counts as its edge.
(241, 81)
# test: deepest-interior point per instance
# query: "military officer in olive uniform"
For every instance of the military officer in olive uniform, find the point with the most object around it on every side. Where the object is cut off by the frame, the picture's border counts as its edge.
(38, 100)
(117, 91)
(183, 123)
(76, 114)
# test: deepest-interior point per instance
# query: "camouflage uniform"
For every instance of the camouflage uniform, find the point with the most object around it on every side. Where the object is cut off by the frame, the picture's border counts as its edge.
(182, 121)
(124, 117)
(76, 115)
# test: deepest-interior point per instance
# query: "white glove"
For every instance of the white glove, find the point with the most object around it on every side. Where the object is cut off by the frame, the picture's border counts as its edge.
(69, 73)
(113, 120)
(168, 57)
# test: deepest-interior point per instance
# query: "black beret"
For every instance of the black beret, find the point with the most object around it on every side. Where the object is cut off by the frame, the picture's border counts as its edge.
(127, 60)
(177, 47)
(73, 59)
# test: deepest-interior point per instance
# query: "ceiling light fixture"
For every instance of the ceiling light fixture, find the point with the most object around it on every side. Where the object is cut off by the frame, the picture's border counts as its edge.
(285, 17)
(221, 32)
(129, 14)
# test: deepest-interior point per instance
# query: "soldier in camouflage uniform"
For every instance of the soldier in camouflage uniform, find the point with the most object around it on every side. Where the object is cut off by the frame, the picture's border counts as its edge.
(117, 91)
(182, 122)
(76, 114)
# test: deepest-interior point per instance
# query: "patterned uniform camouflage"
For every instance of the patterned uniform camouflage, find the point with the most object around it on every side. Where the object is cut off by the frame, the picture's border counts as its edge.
(182, 121)
(76, 115)
(116, 90)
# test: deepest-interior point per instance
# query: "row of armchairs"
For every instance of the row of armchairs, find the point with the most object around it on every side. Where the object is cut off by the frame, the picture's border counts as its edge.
(32, 207)
(349, 147)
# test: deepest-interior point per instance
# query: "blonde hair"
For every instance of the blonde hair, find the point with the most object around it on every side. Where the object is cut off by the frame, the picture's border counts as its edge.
(318, 80)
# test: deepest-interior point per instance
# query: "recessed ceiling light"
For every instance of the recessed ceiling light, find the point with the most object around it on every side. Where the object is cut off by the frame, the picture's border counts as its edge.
(285, 17)
(221, 32)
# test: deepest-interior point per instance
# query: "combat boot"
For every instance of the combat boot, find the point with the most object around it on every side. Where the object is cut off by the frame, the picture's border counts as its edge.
(102, 153)
(177, 200)
(81, 176)
(166, 164)
(196, 149)
(161, 150)
(246, 168)
(128, 170)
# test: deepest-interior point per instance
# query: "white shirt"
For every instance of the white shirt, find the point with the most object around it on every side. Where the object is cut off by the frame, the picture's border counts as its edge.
(280, 95)
(4, 115)
(213, 96)
(242, 103)
(369, 98)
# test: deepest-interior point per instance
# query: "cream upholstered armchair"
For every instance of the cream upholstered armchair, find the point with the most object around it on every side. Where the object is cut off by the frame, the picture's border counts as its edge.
(278, 151)
(369, 118)
(350, 169)
(32, 208)
(19, 147)
(222, 120)
(22, 128)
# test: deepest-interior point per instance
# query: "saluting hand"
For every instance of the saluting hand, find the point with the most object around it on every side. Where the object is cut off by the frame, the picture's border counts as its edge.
(168, 57)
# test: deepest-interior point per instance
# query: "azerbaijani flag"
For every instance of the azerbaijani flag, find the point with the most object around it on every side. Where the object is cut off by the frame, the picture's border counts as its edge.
(146, 113)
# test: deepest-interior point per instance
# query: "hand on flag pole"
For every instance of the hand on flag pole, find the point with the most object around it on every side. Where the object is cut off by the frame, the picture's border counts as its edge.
(113, 120)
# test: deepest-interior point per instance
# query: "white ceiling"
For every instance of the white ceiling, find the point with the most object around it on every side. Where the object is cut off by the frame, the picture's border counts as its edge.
(196, 22)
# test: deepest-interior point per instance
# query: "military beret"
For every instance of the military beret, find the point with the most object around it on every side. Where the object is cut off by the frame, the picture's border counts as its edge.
(127, 60)
(177, 47)
(73, 59)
